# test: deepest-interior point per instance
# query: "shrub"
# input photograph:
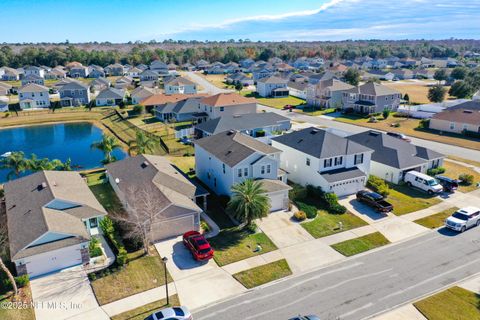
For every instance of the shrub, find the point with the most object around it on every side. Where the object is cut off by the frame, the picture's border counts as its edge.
(435, 171)
(92, 276)
(471, 134)
(310, 211)
(122, 257)
(22, 281)
(424, 124)
(386, 113)
(300, 215)
(466, 178)
(138, 109)
(205, 227)
(396, 125)
(373, 119)
(378, 185)
(95, 252)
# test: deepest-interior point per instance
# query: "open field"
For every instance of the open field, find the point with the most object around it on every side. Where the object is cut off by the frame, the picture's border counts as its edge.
(409, 127)
(417, 91)
(217, 80)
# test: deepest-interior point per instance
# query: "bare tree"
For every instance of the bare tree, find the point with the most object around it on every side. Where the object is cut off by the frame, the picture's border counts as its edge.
(4, 248)
(144, 206)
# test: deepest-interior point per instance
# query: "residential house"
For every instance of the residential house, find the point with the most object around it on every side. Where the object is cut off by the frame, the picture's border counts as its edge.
(95, 71)
(262, 72)
(228, 158)
(5, 89)
(247, 63)
(273, 87)
(166, 186)
(188, 67)
(79, 72)
(239, 77)
(51, 217)
(35, 71)
(317, 77)
(180, 85)
(393, 158)
(257, 125)
(378, 74)
(403, 74)
(202, 64)
(10, 74)
(159, 67)
(4, 103)
(115, 69)
(160, 99)
(123, 82)
(148, 75)
(327, 93)
(457, 119)
(111, 97)
(100, 83)
(55, 74)
(141, 93)
(33, 96)
(424, 74)
(215, 68)
(32, 78)
(371, 97)
(297, 89)
(74, 94)
(133, 72)
(182, 110)
(224, 104)
(320, 158)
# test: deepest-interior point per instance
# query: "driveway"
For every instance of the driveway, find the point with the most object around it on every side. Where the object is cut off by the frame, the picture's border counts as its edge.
(198, 283)
(65, 295)
(205, 84)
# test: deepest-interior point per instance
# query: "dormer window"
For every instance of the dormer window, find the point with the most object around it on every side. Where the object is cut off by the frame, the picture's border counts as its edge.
(327, 163)
(338, 161)
(358, 158)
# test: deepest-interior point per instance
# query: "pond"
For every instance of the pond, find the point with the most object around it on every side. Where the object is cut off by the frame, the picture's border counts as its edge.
(56, 141)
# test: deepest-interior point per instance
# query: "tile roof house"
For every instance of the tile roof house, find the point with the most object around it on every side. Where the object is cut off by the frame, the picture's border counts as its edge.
(327, 93)
(272, 86)
(320, 158)
(393, 157)
(223, 104)
(110, 97)
(457, 119)
(175, 195)
(33, 96)
(371, 97)
(180, 85)
(230, 157)
(51, 216)
(264, 124)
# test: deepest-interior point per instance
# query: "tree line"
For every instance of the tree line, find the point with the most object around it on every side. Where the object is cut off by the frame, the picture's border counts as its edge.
(179, 52)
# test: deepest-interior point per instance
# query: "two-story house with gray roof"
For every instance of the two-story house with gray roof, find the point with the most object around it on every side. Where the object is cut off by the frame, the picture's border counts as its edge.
(327, 93)
(272, 86)
(320, 158)
(228, 158)
(74, 94)
(371, 97)
(32, 96)
(393, 158)
(51, 217)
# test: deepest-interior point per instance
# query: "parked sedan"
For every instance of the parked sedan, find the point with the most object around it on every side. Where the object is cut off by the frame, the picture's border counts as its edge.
(463, 219)
(175, 313)
(400, 136)
(198, 245)
(449, 185)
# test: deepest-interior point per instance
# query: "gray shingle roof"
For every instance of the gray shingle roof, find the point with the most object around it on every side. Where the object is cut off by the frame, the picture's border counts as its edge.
(111, 93)
(179, 81)
(232, 147)
(320, 143)
(33, 87)
(28, 217)
(394, 152)
(270, 185)
(273, 80)
(247, 121)
(342, 174)
(373, 89)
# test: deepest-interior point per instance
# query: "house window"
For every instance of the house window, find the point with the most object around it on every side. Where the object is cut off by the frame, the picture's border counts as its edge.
(465, 126)
(223, 166)
(93, 222)
(452, 125)
(245, 172)
(358, 158)
(239, 173)
(222, 108)
(338, 161)
(308, 162)
(263, 170)
(327, 163)
(268, 168)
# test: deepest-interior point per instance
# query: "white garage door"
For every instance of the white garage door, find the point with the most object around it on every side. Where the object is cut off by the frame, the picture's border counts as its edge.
(53, 261)
(172, 228)
(278, 201)
(347, 187)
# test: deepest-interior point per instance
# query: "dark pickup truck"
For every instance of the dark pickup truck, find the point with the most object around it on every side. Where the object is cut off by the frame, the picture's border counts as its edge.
(374, 200)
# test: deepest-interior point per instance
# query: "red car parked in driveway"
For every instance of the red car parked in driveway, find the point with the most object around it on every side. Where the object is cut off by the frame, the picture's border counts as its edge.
(198, 245)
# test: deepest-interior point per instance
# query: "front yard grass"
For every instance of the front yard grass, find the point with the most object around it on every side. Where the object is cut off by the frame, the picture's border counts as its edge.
(234, 244)
(436, 220)
(358, 245)
(410, 127)
(314, 112)
(326, 224)
(467, 161)
(405, 199)
(455, 303)
(453, 170)
(142, 273)
(277, 103)
(183, 163)
(143, 312)
(25, 295)
(263, 274)
(107, 197)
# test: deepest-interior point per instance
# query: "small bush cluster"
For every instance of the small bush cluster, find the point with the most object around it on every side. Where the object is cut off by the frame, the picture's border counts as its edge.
(434, 171)
(21, 282)
(108, 228)
(378, 185)
(466, 178)
(330, 200)
(424, 124)
(138, 109)
(300, 215)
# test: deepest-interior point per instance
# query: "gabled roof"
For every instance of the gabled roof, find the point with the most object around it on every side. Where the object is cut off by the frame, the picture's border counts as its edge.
(160, 99)
(242, 122)
(179, 81)
(226, 99)
(320, 143)
(394, 152)
(373, 89)
(72, 85)
(142, 92)
(111, 93)
(232, 147)
(29, 217)
(470, 116)
(273, 80)
(33, 87)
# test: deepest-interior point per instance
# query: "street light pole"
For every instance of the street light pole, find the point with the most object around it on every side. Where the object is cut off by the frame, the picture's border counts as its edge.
(164, 260)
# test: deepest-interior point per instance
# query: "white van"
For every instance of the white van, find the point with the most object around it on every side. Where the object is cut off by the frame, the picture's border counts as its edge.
(422, 181)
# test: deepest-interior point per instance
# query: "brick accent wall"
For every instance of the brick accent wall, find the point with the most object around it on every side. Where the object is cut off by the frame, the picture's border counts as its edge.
(85, 255)
(21, 270)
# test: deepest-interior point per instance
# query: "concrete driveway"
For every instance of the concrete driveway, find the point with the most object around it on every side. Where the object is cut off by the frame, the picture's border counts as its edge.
(65, 295)
(198, 283)
(362, 210)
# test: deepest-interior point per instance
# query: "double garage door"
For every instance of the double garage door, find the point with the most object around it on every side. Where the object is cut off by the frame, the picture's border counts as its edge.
(278, 201)
(53, 261)
(172, 228)
(348, 187)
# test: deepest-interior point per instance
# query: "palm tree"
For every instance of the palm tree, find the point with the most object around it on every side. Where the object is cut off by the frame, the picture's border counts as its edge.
(107, 145)
(67, 165)
(35, 164)
(249, 202)
(16, 162)
(142, 144)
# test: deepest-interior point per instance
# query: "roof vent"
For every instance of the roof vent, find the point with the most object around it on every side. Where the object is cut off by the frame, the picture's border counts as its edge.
(467, 111)
(230, 132)
(145, 164)
(237, 115)
(314, 131)
(300, 141)
(117, 181)
(374, 133)
(43, 185)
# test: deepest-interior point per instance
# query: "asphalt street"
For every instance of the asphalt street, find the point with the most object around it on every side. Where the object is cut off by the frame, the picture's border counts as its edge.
(362, 286)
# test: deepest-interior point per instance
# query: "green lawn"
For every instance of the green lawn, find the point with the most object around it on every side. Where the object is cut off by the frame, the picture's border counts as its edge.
(142, 273)
(358, 245)
(406, 200)
(436, 220)
(107, 197)
(263, 274)
(25, 295)
(454, 170)
(146, 310)
(278, 103)
(96, 177)
(326, 224)
(454, 303)
(314, 111)
(232, 245)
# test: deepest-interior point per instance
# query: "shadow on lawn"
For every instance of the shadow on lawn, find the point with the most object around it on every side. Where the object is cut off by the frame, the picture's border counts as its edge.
(228, 238)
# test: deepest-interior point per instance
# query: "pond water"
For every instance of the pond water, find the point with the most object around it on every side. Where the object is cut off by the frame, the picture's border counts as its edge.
(56, 141)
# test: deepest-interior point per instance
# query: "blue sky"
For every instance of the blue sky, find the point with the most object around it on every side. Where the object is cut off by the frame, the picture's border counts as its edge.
(126, 20)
